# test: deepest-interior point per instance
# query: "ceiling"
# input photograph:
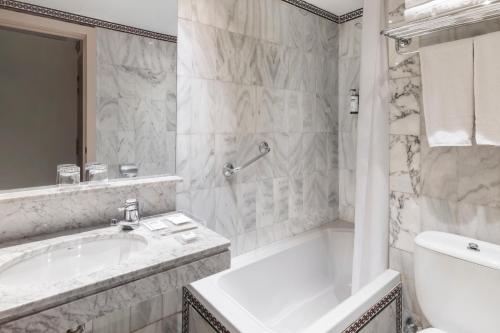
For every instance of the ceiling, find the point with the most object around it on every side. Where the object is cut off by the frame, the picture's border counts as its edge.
(338, 7)
(155, 15)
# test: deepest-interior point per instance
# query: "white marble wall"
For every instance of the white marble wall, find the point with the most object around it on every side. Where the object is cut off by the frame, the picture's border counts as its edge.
(250, 71)
(349, 69)
(136, 102)
(452, 189)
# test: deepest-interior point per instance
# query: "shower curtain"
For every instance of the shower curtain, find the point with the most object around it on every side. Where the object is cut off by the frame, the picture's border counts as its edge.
(372, 170)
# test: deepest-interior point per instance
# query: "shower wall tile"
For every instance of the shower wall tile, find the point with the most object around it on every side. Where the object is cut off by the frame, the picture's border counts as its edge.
(252, 71)
(350, 38)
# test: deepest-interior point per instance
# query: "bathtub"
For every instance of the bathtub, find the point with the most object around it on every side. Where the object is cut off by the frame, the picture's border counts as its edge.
(302, 284)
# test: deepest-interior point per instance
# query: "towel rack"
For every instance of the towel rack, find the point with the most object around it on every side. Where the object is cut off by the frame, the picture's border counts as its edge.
(488, 10)
(229, 169)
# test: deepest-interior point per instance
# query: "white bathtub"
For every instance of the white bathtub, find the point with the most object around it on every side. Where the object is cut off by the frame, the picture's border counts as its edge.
(298, 285)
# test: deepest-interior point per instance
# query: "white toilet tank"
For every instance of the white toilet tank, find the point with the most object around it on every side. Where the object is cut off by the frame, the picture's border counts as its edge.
(458, 282)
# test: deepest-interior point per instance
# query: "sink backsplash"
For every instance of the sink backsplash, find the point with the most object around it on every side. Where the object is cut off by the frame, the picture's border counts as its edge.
(41, 211)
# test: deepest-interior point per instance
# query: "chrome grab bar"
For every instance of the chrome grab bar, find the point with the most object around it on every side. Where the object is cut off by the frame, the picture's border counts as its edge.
(229, 169)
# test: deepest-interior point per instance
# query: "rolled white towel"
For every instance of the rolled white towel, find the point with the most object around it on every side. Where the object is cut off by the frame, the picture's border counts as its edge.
(437, 7)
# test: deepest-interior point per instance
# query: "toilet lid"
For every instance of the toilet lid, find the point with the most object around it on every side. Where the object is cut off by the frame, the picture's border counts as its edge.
(431, 330)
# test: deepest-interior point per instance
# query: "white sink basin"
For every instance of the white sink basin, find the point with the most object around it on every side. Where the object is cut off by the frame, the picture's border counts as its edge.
(68, 260)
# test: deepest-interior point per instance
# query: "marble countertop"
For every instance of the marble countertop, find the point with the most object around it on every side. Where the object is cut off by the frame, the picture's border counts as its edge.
(165, 250)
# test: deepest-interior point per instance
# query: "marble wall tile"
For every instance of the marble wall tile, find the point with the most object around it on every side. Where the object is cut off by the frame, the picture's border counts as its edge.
(405, 163)
(203, 206)
(270, 110)
(479, 222)
(350, 38)
(479, 175)
(270, 84)
(272, 64)
(403, 65)
(145, 313)
(281, 199)
(226, 211)
(439, 171)
(347, 150)
(404, 220)
(405, 106)
(116, 322)
(172, 302)
(394, 11)
(202, 161)
(265, 203)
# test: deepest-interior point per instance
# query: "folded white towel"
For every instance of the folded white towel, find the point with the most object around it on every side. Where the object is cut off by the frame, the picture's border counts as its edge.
(447, 79)
(486, 88)
(437, 7)
(414, 3)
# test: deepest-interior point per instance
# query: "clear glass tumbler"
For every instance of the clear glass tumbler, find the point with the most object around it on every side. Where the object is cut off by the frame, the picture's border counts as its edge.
(96, 172)
(68, 174)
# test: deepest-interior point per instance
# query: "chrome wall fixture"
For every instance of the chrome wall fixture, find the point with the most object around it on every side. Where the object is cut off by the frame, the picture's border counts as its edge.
(229, 169)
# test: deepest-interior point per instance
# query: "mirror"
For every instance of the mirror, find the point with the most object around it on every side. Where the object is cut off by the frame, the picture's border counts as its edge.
(80, 93)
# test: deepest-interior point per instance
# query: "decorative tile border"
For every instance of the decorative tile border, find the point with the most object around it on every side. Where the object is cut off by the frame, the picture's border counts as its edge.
(188, 299)
(326, 14)
(351, 16)
(82, 20)
(313, 9)
(394, 295)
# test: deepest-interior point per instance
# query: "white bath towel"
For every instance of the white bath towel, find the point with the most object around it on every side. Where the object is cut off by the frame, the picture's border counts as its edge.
(414, 3)
(447, 80)
(486, 88)
(437, 7)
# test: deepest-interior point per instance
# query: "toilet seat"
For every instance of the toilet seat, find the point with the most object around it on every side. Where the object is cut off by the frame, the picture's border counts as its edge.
(431, 330)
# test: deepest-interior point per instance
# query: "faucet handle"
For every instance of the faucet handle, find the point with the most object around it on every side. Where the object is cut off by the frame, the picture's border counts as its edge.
(129, 203)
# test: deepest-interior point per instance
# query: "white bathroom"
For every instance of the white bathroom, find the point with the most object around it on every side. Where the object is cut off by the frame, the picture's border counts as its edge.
(248, 166)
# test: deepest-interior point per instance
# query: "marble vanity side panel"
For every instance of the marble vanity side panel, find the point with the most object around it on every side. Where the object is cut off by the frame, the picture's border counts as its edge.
(28, 217)
(253, 71)
(69, 315)
(136, 102)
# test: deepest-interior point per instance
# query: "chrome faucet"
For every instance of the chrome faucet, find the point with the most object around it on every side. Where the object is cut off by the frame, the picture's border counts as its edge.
(131, 214)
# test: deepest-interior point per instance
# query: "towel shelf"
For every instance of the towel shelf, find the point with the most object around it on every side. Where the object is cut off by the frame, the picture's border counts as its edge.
(488, 10)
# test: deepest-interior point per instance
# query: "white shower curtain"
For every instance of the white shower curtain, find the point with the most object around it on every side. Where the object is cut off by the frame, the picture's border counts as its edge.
(372, 169)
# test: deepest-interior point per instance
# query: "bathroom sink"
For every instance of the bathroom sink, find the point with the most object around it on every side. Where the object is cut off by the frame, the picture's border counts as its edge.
(68, 260)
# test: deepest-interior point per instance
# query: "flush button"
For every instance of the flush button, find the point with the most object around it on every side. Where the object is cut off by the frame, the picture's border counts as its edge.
(473, 247)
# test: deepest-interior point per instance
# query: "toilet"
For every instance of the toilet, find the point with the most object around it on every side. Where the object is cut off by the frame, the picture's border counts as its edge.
(457, 281)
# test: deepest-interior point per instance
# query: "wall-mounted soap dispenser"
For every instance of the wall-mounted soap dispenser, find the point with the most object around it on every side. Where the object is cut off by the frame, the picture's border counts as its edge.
(354, 101)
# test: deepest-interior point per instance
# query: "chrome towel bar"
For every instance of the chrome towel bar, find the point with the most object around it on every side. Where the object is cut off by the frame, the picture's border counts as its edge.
(229, 169)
